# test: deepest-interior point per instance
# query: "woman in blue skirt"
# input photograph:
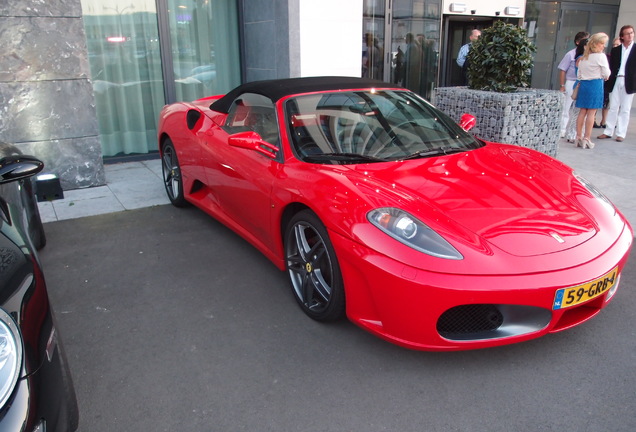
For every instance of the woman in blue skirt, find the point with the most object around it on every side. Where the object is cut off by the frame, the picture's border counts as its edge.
(593, 70)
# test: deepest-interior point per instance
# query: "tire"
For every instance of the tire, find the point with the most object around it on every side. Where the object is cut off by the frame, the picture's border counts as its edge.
(313, 268)
(172, 175)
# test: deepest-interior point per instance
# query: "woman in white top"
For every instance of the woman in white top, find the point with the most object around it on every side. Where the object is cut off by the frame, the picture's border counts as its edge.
(593, 70)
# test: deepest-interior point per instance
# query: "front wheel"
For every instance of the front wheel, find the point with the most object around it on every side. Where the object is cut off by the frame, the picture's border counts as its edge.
(313, 268)
(172, 175)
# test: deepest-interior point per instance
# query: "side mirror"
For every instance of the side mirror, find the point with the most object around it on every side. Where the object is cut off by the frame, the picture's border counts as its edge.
(253, 141)
(19, 167)
(467, 122)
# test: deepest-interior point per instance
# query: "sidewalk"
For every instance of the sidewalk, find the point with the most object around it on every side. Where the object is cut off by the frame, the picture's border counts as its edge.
(129, 186)
(610, 166)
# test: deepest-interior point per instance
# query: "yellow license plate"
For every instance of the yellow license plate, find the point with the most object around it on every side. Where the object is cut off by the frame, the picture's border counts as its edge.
(568, 297)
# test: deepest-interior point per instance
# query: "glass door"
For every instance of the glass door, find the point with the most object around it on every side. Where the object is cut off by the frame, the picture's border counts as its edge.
(576, 18)
(415, 40)
(554, 33)
(373, 22)
(457, 34)
(405, 35)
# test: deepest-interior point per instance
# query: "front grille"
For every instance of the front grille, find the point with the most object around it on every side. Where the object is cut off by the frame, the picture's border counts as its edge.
(462, 321)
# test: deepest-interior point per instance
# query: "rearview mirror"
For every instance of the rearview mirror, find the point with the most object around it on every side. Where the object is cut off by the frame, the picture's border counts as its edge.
(467, 122)
(253, 141)
(19, 167)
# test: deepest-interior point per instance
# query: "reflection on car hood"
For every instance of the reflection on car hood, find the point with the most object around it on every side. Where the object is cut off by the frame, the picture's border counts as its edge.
(520, 201)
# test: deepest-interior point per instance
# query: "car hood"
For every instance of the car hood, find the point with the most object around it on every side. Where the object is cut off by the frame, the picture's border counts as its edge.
(514, 199)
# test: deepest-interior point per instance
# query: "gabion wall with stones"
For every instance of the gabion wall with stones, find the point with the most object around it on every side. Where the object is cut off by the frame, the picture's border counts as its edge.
(529, 117)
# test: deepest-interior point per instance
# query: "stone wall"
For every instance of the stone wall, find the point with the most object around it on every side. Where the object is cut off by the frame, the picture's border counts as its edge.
(47, 107)
(267, 35)
(529, 117)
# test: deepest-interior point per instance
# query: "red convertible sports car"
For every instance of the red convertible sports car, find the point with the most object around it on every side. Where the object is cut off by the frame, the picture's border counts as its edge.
(381, 208)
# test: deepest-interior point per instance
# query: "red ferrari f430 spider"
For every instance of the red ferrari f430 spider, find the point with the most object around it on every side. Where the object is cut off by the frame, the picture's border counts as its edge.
(382, 209)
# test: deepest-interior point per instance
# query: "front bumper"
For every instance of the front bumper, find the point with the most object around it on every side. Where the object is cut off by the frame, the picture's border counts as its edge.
(425, 310)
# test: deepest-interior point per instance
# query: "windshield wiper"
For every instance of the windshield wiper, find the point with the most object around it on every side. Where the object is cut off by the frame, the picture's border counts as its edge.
(435, 152)
(348, 157)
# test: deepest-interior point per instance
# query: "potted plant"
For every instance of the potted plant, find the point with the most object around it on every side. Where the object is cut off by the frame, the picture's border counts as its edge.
(498, 95)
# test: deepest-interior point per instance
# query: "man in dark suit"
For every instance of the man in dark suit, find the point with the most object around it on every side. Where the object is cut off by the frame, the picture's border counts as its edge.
(622, 84)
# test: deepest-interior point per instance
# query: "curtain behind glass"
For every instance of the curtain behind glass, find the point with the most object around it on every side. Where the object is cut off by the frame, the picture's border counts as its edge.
(123, 44)
(123, 47)
(205, 48)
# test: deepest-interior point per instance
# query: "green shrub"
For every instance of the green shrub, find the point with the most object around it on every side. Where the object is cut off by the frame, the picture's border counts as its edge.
(501, 59)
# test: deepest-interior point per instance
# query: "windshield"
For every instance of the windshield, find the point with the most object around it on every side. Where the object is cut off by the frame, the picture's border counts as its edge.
(371, 126)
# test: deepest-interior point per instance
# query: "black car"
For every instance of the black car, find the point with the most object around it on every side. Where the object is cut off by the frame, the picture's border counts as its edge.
(36, 390)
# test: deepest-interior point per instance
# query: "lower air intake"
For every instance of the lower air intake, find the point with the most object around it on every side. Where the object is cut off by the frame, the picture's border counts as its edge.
(462, 320)
(491, 321)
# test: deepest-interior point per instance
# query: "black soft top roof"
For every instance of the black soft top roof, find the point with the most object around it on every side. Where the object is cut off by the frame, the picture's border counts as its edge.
(279, 88)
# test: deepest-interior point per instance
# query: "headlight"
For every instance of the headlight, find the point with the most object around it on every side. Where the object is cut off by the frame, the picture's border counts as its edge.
(597, 193)
(406, 229)
(10, 356)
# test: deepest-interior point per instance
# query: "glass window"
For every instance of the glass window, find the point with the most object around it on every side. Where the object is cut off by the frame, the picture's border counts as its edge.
(373, 39)
(125, 55)
(205, 48)
(125, 62)
(403, 49)
(415, 34)
(255, 113)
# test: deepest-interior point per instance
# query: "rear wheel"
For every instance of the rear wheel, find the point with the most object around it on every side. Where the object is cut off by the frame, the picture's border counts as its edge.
(313, 268)
(172, 175)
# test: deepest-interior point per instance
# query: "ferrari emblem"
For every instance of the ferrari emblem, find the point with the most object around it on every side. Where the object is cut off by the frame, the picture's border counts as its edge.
(308, 267)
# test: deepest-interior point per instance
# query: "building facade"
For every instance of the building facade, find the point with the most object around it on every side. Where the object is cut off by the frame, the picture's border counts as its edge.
(82, 81)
